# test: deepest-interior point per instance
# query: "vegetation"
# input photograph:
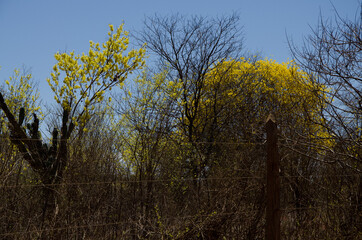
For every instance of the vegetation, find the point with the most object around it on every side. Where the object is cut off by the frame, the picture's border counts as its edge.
(179, 151)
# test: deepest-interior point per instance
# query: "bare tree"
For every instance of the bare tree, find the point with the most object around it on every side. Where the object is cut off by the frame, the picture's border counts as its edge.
(333, 54)
(189, 47)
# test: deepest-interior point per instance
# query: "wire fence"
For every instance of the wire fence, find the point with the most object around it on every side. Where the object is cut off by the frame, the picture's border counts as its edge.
(238, 199)
(129, 228)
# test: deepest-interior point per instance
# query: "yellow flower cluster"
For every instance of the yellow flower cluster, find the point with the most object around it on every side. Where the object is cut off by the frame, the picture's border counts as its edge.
(264, 87)
(81, 81)
(19, 93)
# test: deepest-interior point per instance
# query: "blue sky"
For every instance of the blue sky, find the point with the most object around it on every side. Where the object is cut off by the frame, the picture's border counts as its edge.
(31, 31)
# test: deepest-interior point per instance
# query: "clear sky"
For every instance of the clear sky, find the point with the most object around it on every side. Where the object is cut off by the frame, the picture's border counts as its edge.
(31, 31)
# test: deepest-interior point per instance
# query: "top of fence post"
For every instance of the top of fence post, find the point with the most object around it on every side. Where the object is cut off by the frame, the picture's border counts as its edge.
(270, 118)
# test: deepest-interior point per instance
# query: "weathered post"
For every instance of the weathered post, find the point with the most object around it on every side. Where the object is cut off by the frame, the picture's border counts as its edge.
(272, 231)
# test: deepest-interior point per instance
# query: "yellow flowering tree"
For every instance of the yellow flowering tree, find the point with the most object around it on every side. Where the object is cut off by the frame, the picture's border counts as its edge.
(238, 95)
(21, 97)
(19, 92)
(146, 131)
(87, 77)
(250, 90)
(79, 83)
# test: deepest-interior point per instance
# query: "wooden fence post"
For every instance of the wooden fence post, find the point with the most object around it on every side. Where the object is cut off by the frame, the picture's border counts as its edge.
(272, 230)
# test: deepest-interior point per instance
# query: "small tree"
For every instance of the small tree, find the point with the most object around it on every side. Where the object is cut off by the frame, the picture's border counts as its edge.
(21, 97)
(79, 83)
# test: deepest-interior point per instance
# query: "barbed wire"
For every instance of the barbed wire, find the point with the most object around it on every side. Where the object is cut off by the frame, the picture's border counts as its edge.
(130, 181)
(324, 206)
(173, 180)
(239, 141)
(167, 141)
